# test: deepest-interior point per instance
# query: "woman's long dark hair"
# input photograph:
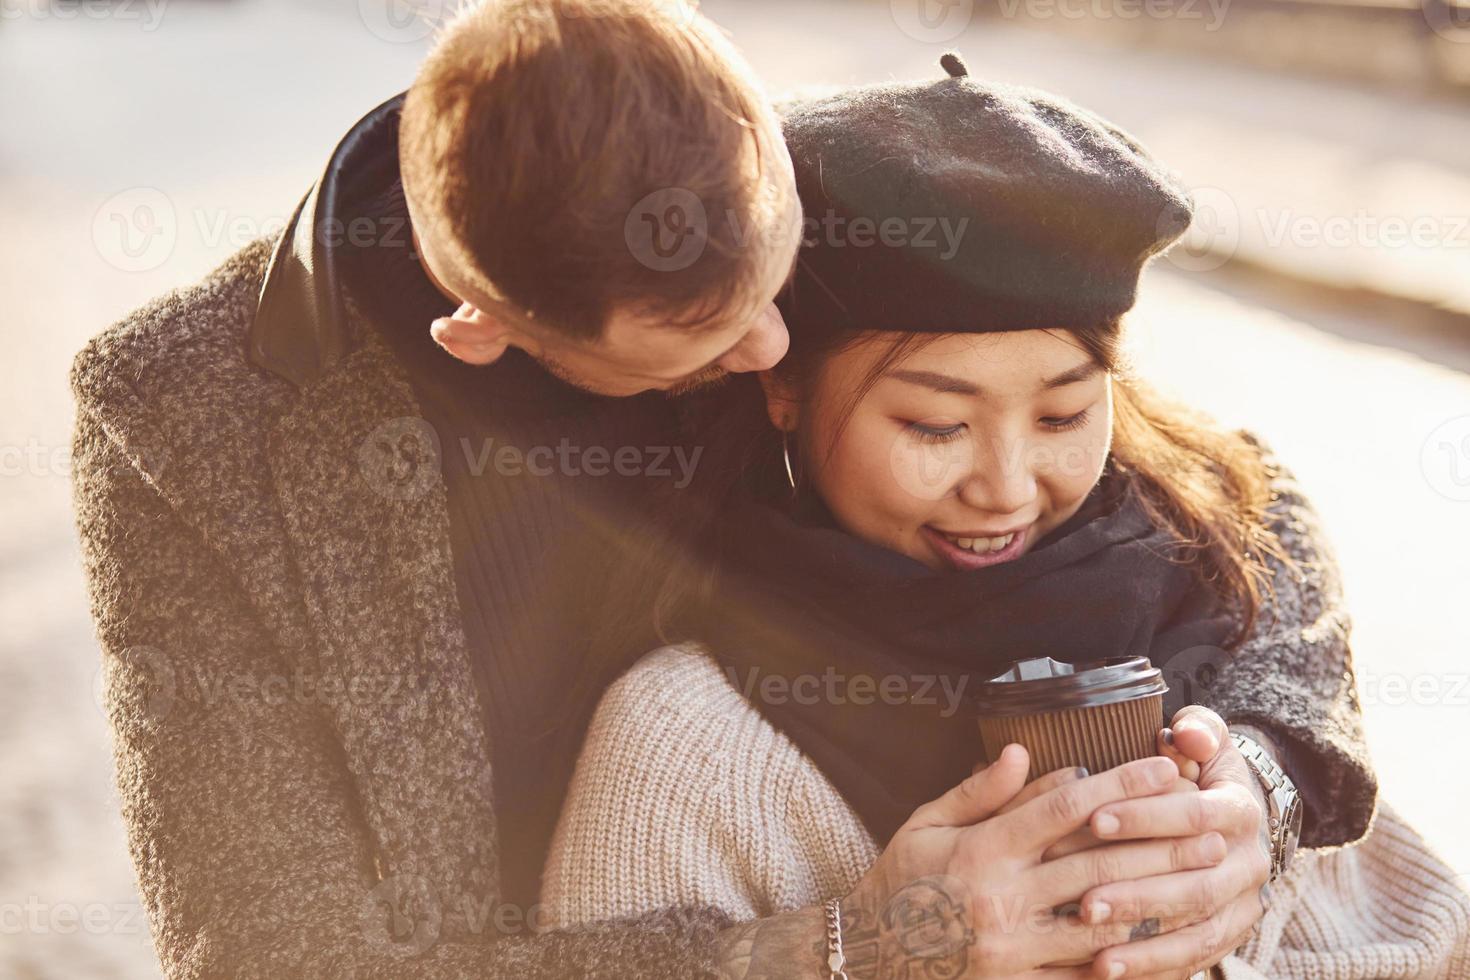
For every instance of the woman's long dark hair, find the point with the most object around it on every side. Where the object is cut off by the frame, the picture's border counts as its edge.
(1209, 485)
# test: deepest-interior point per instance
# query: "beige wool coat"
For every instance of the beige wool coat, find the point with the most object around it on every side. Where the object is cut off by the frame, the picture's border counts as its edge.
(303, 770)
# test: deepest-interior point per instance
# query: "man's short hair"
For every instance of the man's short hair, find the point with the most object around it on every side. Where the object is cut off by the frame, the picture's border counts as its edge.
(569, 149)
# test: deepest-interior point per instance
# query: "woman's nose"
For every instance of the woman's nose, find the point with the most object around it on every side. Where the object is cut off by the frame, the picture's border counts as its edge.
(763, 345)
(1000, 481)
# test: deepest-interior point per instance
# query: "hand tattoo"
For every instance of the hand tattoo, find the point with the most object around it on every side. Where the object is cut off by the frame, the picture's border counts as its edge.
(922, 932)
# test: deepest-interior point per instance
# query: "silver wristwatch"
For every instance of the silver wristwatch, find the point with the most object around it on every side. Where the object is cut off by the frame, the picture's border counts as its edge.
(1283, 804)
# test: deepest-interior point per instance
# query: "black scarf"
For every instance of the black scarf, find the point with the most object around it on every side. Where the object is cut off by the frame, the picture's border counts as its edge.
(868, 660)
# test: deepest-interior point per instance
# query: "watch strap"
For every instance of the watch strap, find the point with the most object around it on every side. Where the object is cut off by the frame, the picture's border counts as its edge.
(1282, 800)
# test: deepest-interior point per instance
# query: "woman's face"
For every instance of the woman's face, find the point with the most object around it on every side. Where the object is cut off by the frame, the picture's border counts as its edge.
(966, 451)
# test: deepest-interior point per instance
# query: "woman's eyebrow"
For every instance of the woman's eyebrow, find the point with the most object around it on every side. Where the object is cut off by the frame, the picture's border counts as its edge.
(948, 384)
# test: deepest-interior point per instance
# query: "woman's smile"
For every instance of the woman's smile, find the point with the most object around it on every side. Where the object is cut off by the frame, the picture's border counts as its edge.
(965, 553)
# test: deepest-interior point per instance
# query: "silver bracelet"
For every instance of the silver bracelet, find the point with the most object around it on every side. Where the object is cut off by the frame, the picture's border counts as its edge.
(836, 962)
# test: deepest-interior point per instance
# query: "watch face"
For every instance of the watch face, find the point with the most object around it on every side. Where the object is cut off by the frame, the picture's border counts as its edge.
(1293, 831)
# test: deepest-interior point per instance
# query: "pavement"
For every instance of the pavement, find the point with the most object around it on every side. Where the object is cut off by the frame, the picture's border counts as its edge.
(141, 143)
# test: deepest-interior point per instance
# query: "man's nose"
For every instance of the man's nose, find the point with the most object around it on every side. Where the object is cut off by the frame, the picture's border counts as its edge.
(763, 345)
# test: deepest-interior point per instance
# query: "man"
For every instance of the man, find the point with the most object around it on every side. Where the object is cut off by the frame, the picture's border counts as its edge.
(346, 505)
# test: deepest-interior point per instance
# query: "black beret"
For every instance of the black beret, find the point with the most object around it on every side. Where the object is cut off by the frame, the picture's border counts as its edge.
(963, 206)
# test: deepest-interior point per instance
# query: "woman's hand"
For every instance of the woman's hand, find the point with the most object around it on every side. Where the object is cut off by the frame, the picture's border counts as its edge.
(964, 890)
(1183, 922)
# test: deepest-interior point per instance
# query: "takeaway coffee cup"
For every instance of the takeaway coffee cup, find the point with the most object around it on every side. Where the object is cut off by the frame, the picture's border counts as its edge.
(1098, 714)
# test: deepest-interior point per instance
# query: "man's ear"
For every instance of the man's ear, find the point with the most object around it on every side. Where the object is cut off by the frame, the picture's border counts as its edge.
(472, 335)
(782, 404)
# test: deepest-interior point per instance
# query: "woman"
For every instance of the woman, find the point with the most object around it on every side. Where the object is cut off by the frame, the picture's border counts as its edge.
(953, 468)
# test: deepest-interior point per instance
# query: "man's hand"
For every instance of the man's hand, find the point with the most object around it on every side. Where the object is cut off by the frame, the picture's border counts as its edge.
(1189, 920)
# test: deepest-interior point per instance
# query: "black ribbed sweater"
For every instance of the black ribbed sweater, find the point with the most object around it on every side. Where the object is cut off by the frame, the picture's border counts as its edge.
(534, 525)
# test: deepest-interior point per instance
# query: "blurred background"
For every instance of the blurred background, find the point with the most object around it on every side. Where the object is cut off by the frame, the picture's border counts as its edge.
(1322, 299)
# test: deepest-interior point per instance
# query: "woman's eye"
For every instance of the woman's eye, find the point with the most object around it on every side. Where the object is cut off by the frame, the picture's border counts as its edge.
(1066, 424)
(933, 433)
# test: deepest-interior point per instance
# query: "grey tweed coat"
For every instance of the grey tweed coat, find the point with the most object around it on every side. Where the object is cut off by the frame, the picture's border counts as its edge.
(301, 765)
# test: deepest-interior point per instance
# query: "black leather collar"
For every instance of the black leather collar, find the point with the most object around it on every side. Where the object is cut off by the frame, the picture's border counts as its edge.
(301, 329)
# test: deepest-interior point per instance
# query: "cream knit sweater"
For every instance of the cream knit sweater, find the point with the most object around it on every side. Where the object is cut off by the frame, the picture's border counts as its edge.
(685, 795)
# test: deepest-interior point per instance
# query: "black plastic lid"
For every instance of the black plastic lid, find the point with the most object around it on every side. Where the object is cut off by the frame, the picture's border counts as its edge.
(1040, 684)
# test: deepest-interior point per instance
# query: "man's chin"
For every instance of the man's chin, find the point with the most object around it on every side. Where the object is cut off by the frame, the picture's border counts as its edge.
(711, 377)
(559, 371)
